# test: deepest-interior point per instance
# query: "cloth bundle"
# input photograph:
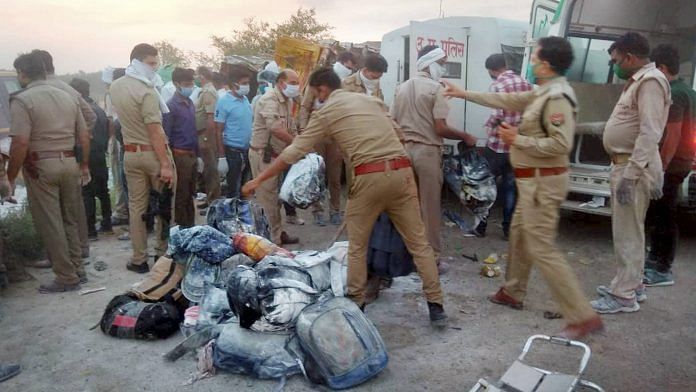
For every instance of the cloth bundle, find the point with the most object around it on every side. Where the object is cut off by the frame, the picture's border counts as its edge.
(304, 184)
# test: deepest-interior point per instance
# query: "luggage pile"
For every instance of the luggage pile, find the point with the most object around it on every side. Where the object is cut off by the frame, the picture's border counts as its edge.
(250, 306)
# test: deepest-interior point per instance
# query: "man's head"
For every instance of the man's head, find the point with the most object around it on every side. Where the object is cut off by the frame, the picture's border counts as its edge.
(47, 60)
(219, 80)
(146, 54)
(81, 85)
(30, 67)
(348, 59)
(551, 58)
(432, 59)
(239, 82)
(495, 65)
(375, 67)
(628, 54)
(324, 81)
(205, 75)
(288, 83)
(666, 59)
(183, 81)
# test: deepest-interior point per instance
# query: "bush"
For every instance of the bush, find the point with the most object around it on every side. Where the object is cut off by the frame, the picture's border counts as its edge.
(22, 242)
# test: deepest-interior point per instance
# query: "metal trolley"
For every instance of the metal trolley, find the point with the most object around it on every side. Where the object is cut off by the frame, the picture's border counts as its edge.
(521, 377)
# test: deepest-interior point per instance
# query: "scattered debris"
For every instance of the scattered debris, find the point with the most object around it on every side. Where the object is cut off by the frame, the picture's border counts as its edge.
(491, 259)
(549, 315)
(100, 265)
(90, 291)
(490, 271)
(473, 258)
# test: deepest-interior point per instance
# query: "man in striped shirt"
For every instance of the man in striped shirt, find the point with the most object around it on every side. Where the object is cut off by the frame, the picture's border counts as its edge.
(497, 152)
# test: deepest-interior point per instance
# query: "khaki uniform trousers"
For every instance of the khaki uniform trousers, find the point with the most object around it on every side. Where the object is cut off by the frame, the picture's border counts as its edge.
(142, 170)
(184, 211)
(427, 165)
(267, 195)
(209, 154)
(532, 241)
(54, 205)
(366, 201)
(120, 199)
(82, 222)
(628, 228)
(333, 160)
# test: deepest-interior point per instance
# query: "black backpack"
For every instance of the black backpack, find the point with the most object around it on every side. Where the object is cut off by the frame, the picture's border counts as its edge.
(127, 317)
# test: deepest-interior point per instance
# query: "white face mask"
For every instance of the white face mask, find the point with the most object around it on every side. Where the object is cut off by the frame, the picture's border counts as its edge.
(370, 85)
(317, 104)
(341, 70)
(291, 90)
(243, 89)
(436, 71)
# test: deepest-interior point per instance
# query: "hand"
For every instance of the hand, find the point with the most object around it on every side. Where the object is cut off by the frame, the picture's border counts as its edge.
(249, 188)
(166, 175)
(507, 133)
(624, 192)
(452, 91)
(656, 191)
(470, 140)
(85, 176)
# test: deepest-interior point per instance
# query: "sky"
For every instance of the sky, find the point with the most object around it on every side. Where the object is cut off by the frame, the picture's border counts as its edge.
(89, 35)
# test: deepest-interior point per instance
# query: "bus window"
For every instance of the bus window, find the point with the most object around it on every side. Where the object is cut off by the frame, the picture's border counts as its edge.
(591, 64)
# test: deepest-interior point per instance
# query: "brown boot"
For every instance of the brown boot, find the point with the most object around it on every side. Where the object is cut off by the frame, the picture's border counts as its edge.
(285, 239)
(502, 298)
(56, 287)
(372, 289)
(580, 330)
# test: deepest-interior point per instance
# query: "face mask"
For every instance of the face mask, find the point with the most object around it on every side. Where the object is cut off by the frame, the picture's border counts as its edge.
(369, 84)
(291, 90)
(186, 91)
(620, 72)
(317, 104)
(436, 71)
(262, 89)
(342, 71)
(243, 89)
(143, 69)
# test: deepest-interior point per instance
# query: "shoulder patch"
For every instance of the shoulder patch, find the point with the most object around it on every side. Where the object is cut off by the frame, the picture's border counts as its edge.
(557, 119)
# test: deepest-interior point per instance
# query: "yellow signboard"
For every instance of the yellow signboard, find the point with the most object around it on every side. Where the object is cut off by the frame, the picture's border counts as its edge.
(298, 55)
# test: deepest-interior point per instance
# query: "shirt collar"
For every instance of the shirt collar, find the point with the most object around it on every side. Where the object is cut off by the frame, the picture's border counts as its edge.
(181, 99)
(642, 71)
(505, 74)
(543, 89)
(36, 83)
(279, 94)
(236, 98)
(423, 74)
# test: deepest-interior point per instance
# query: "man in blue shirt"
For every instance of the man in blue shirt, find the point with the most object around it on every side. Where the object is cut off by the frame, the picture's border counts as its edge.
(233, 120)
(180, 126)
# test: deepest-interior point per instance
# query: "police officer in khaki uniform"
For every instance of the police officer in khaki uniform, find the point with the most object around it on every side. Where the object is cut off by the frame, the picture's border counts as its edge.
(90, 119)
(147, 161)
(361, 127)
(539, 155)
(421, 110)
(273, 130)
(631, 138)
(365, 81)
(207, 138)
(45, 124)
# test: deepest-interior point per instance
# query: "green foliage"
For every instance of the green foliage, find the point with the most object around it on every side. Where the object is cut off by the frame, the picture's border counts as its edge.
(259, 38)
(170, 54)
(22, 242)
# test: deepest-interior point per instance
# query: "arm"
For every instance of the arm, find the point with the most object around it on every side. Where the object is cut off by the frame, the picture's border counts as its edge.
(515, 102)
(220, 119)
(219, 129)
(440, 112)
(159, 144)
(559, 120)
(210, 103)
(20, 130)
(306, 109)
(673, 130)
(651, 99)
(270, 111)
(83, 135)
(88, 114)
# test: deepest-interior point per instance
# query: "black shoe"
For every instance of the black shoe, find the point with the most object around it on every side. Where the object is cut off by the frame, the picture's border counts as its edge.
(141, 269)
(285, 239)
(506, 233)
(9, 371)
(438, 317)
(119, 221)
(105, 229)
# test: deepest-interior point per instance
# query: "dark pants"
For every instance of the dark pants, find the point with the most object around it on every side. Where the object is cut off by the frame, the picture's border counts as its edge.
(238, 170)
(97, 189)
(289, 210)
(662, 216)
(500, 167)
(184, 212)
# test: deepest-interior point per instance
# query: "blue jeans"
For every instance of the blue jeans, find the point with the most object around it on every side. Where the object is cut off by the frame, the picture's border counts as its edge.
(239, 170)
(500, 167)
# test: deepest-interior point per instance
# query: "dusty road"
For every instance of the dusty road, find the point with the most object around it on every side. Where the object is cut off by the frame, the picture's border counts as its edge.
(651, 350)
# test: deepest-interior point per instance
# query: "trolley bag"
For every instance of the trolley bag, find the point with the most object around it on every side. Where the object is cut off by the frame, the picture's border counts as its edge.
(126, 317)
(341, 343)
(163, 282)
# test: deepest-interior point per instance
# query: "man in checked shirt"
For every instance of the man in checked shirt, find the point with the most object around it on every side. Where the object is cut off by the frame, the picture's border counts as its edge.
(497, 153)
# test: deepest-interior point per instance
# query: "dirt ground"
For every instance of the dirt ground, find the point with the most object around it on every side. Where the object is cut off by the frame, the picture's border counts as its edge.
(651, 350)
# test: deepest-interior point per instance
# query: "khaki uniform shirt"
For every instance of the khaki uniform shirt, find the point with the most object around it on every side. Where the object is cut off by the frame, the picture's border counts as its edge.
(272, 111)
(136, 104)
(554, 106)
(635, 126)
(358, 123)
(87, 112)
(49, 117)
(418, 103)
(206, 105)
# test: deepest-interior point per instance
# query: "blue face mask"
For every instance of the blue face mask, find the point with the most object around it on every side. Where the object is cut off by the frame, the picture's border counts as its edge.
(186, 91)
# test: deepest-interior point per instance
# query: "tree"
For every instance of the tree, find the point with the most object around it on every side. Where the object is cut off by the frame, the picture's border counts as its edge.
(170, 54)
(259, 38)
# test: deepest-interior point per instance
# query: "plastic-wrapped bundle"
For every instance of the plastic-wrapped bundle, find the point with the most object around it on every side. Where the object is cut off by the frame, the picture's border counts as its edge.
(304, 184)
(205, 242)
(469, 176)
(232, 216)
(284, 290)
(265, 356)
(256, 247)
(242, 294)
(317, 264)
(215, 307)
(199, 273)
(339, 268)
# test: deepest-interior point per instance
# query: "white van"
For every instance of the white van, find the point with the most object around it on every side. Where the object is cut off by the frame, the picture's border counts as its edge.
(468, 41)
(591, 26)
